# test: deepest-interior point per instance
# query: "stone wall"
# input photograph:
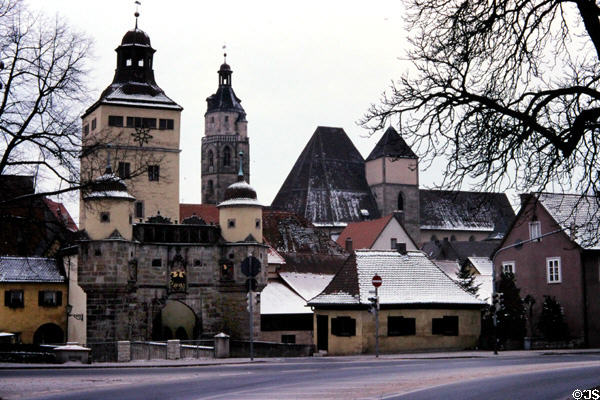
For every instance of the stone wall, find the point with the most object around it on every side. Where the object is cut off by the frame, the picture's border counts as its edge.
(129, 283)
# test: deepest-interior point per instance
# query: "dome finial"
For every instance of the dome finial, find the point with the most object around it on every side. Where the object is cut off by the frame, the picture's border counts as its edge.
(108, 170)
(224, 54)
(137, 13)
(241, 170)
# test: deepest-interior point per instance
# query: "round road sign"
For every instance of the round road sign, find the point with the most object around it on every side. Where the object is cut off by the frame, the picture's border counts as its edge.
(376, 280)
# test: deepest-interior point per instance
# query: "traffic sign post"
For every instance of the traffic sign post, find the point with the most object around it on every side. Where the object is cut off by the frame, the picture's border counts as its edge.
(376, 281)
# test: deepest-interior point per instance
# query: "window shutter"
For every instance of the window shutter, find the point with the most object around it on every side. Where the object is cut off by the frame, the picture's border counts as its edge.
(41, 298)
(59, 298)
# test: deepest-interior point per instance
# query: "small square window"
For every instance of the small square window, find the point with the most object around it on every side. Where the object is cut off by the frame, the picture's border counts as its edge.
(165, 124)
(231, 223)
(400, 326)
(343, 326)
(508, 267)
(14, 298)
(393, 243)
(553, 270)
(49, 298)
(157, 262)
(447, 326)
(128, 62)
(140, 63)
(105, 217)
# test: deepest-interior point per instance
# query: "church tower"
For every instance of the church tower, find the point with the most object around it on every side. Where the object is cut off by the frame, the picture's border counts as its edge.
(138, 126)
(392, 171)
(225, 136)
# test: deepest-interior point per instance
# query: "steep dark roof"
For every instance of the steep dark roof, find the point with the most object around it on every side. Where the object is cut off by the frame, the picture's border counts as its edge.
(327, 185)
(288, 232)
(29, 269)
(224, 100)
(307, 263)
(344, 287)
(459, 251)
(451, 210)
(391, 144)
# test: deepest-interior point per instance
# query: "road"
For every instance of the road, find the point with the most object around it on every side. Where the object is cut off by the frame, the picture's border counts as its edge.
(530, 377)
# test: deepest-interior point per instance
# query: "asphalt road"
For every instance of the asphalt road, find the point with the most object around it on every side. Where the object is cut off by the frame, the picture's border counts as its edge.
(530, 377)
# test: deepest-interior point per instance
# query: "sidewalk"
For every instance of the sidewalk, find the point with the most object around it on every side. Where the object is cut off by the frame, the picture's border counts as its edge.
(193, 362)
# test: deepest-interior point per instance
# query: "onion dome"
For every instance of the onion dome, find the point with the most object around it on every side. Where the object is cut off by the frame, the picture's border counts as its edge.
(240, 193)
(108, 185)
(136, 37)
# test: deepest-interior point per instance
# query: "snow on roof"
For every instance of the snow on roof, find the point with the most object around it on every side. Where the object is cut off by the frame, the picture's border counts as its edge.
(29, 269)
(307, 285)
(240, 202)
(115, 194)
(277, 298)
(450, 268)
(407, 279)
(482, 264)
(577, 215)
(273, 257)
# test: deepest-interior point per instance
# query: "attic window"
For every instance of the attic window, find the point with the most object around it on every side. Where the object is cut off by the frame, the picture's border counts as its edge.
(128, 62)
(535, 230)
(393, 243)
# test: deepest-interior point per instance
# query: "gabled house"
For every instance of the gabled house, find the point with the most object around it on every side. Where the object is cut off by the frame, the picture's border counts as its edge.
(420, 306)
(379, 234)
(552, 249)
(34, 291)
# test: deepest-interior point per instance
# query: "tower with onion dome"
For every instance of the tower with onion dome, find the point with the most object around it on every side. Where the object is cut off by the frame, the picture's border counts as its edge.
(226, 135)
(240, 213)
(138, 125)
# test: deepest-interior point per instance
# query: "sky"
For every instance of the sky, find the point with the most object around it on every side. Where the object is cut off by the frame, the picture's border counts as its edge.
(296, 66)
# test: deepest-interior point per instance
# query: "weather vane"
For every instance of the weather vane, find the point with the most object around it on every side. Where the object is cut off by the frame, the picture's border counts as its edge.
(137, 13)
(224, 54)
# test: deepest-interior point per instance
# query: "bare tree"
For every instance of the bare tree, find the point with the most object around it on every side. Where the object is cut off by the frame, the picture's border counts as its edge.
(40, 102)
(506, 90)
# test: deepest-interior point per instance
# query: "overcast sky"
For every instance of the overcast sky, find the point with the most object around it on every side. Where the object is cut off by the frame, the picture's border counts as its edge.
(296, 65)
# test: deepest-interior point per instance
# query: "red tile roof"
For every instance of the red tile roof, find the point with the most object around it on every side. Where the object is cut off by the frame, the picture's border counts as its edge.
(208, 212)
(61, 213)
(363, 233)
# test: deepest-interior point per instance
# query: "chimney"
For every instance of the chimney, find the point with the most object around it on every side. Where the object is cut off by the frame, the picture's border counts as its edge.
(349, 244)
(401, 248)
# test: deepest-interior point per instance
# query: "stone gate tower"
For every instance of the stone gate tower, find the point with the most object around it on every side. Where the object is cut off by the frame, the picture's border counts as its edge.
(225, 128)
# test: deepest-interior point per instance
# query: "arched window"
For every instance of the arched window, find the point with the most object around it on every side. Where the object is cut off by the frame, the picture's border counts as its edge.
(211, 158)
(226, 156)
(209, 187)
(400, 202)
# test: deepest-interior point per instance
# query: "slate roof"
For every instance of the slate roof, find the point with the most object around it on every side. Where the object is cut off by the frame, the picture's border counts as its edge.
(29, 269)
(464, 211)
(288, 232)
(392, 145)
(407, 279)
(459, 250)
(225, 100)
(578, 215)
(327, 184)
